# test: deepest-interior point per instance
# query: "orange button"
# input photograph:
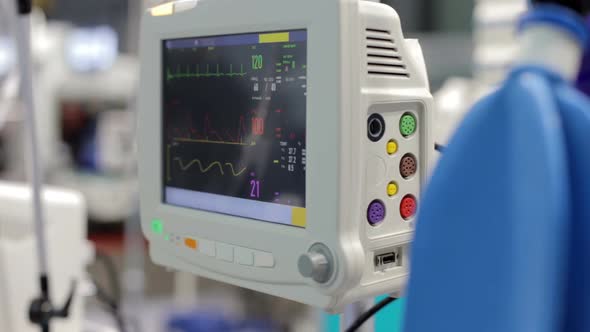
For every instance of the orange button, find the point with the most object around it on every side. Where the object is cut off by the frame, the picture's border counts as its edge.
(191, 243)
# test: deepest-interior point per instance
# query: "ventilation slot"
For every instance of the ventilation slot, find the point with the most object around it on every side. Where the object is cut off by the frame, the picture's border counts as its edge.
(383, 57)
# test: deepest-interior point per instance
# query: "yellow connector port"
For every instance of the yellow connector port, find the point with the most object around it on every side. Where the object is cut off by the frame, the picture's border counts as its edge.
(392, 189)
(391, 147)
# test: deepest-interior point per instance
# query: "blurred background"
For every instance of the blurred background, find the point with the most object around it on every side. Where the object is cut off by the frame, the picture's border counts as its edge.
(86, 75)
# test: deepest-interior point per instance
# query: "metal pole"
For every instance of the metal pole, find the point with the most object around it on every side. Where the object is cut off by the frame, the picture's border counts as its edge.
(35, 172)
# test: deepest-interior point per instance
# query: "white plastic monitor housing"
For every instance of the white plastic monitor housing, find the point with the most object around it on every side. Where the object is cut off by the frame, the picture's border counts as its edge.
(358, 64)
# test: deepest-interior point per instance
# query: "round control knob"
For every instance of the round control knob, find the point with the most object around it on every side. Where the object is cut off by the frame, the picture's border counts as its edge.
(317, 264)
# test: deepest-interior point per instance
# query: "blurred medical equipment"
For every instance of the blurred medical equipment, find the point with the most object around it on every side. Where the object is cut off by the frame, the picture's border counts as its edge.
(227, 127)
(7, 63)
(515, 254)
(7, 57)
(494, 52)
(96, 124)
(8, 81)
(85, 92)
(92, 49)
(68, 253)
(55, 227)
(215, 321)
(91, 108)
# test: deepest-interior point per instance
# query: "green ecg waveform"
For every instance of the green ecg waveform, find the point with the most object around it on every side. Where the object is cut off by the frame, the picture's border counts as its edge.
(187, 73)
(193, 162)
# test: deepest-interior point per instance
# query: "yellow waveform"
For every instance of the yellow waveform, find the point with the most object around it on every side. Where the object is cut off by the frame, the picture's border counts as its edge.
(191, 140)
(185, 167)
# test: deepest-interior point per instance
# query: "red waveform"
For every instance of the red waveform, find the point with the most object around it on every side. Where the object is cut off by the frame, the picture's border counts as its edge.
(209, 132)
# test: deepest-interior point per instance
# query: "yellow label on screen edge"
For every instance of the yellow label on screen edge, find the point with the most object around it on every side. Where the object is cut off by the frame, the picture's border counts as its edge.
(278, 37)
(299, 217)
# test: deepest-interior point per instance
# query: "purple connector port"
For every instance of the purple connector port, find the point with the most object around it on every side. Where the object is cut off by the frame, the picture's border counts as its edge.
(376, 212)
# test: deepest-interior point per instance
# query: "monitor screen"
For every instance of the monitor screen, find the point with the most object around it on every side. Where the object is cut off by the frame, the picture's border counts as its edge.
(234, 125)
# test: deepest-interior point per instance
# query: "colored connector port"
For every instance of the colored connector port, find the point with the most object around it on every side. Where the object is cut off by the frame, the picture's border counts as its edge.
(391, 147)
(376, 212)
(392, 189)
(375, 127)
(408, 166)
(408, 207)
(408, 124)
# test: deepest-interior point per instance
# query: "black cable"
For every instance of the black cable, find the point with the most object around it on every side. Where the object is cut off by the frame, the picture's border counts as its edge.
(112, 302)
(370, 313)
(112, 275)
(439, 147)
(111, 306)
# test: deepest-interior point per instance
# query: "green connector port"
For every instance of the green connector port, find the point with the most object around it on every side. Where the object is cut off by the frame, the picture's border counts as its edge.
(408, 124)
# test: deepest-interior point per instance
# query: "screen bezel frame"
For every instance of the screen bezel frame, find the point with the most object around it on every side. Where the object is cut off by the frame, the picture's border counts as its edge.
(328, 171)
(162, 129)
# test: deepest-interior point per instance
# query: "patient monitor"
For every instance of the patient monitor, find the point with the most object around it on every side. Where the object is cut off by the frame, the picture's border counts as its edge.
(283, 144)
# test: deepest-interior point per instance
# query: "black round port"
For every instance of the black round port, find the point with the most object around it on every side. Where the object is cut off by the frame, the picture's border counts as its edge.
(375, 127)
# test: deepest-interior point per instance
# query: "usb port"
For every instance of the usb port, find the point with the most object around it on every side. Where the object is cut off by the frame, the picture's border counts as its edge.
(388, 258)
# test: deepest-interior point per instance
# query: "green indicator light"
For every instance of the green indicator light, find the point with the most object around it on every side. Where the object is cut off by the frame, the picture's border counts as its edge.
(157, 226)
(167, 237)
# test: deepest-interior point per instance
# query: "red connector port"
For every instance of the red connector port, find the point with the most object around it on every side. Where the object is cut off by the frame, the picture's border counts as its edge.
(408, 207)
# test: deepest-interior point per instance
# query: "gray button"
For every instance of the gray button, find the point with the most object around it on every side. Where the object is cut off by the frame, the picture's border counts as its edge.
(244, 256)
(263, 259)
(225, 252)
(207, 247)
